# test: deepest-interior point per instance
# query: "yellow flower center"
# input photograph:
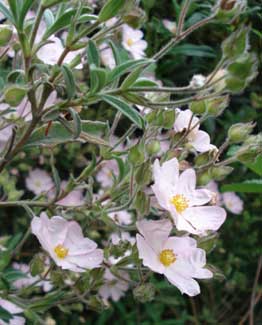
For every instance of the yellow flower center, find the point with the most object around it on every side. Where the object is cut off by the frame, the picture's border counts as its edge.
(167, 257)
(180, 202)
(61, 251)
(130, 42)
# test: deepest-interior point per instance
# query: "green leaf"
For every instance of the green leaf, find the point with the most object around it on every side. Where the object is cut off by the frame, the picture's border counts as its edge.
(69, 81)
(5, 315)
(125, 67)
(116, 53)
(144, 82)
(98, 78)
(77, 123)
(7, 13)
(110, 9)
(124, 108)
(194, 50)
(251, 186)
(256, 166)
(91, 132)
(131, 78)
(27, 4)
(93, 54)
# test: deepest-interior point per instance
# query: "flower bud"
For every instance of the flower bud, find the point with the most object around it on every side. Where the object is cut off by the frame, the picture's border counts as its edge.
(216, 106)
(37, 265)
(6, 33)
(14, 95)
(239, 132)
(142, 204)
(136, 154)
(219, 173)
(153, 147)
(203, 178)
(135, 18)
(228, 10)
(144, 293)
(236, 44)
(202, 159)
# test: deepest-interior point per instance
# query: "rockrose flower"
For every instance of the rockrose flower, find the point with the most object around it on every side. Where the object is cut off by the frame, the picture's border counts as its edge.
(13, 310)
(133, 42)
(177, 258)
(65, 243)
(39, 181)
(178, 195)
(114, 288)
(198, 139)
(232, 202)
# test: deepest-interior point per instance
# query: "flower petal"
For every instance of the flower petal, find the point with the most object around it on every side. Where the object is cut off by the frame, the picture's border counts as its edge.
(201, 141)
(168, 172)
(184, 284)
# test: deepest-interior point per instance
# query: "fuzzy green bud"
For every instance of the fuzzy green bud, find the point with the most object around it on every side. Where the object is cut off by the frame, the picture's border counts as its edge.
(216, 106)
(203, 178)
(142, 203)
(236, 44)
(228, 10)
(219, 173)
(153, 147)
(6, 32)
(37, 265)
(13, 95)
(144, 293)
(135, 18)
(136, 154)
(239, 132)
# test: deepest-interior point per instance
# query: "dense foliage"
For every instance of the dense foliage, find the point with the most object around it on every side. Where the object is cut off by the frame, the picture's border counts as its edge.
(89, 105)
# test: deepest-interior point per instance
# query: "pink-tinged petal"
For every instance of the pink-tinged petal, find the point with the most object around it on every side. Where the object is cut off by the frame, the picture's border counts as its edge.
(203, 274)
(198, 260)
(183, 120)
(232, 202)
(88, 261)
(155, 232)
(181, 245)
(200, 197)
(186, 285)
(187, 182)
(148, 255)
(201, 141)
(163, 193)
(205, 218)
(182, 224)
(168, 172)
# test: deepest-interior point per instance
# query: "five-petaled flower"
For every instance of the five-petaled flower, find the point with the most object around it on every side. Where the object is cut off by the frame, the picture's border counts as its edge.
(178, 195)
(65, 243)
(177, 258)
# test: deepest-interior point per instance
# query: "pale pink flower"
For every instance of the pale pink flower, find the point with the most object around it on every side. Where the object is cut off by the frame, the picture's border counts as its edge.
(177, 258)
(121, 217)
(74, 198)
(170, 25)
(39, 181)
(114, 288)
(65, 243)
(107, 56)
(13, 310)
(133, 42)
(232, 202)
(51, 52)
(108, 172)
(178, 195)
(198, 139)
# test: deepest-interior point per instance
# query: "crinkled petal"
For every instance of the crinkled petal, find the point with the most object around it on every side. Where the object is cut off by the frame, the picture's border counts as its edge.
(168, 172)
(201, 141)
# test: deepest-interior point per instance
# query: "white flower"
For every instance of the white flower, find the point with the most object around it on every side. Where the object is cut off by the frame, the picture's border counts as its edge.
(170, 25)
(198, 139)
(108, 173)
(133, 42)
(178, 195)
(178, 258)
(121, 217)
(74, 198)
(114, 287)
(65, 243)
(14, 310)
(232, 202)
(51, 52)
(213, 187)
(39, 181)
(107, 56)
(198, 81)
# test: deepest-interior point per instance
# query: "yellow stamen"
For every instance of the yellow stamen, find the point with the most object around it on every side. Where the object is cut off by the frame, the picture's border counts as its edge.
(61, 251)
(180, 202)
(167, 257)
(130, 42)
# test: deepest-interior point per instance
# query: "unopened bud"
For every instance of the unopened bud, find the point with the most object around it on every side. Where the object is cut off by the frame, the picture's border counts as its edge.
(153, 147)
(135, 18)
(144, 293)
(219, 173)
(136, 155)
(203, 178)
(14, 95)
(239, 132)
(37, 265)
(228, 10)
(236, 44)
(216, 106)
(6, 33)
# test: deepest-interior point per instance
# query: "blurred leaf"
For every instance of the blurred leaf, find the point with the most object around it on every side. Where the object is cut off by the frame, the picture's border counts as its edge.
(194, 50)
(256, 166)
(250, 186)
